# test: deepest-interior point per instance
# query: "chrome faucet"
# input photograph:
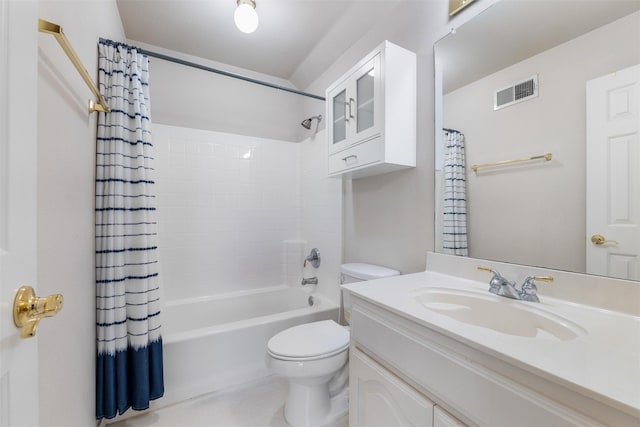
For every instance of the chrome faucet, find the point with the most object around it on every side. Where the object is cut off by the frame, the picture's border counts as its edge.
(501, 286)
(505, 288)
(309, 281)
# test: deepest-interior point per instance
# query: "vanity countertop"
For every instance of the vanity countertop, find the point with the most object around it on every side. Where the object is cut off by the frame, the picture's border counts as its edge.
(603, 363)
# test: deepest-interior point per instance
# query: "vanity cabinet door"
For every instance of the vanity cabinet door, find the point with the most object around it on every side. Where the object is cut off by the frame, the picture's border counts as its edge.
(441, 418)
(379, 398)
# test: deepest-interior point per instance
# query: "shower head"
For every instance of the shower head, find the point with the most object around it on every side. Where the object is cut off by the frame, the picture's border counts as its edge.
(306, 123)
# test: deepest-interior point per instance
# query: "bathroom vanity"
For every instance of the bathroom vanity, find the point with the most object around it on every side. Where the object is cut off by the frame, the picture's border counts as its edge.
(436, 349)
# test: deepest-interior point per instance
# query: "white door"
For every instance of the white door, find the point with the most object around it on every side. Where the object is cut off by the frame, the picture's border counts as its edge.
(613, 175)
(18, 124)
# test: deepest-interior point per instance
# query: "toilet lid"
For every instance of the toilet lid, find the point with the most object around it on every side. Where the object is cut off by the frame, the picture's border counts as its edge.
(309, 340)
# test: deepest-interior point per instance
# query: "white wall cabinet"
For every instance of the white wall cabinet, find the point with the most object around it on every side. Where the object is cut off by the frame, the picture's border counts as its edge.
(371, 113)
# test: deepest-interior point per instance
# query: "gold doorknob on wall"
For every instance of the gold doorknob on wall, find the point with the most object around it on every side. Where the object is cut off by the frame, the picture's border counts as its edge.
(599, 239)
(28, 309)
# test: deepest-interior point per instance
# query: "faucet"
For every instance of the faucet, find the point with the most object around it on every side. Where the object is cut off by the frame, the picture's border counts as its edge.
(501, 286)
(309, 281)
(505, 288)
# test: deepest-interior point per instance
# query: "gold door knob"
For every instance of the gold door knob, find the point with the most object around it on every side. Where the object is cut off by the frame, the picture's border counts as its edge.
(28, 309)
(599, 239)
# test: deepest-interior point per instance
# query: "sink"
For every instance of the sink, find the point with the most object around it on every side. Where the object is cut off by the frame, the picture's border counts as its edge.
(500, 314)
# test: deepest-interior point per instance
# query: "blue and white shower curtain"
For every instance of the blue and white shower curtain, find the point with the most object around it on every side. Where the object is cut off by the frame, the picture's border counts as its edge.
(454, 239)
(129, 357)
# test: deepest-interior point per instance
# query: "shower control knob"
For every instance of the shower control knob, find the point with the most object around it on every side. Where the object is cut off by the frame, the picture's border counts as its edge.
(313, 258)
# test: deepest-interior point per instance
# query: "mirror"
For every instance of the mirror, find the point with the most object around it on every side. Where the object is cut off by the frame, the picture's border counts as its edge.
(540, 56)
(456, 6)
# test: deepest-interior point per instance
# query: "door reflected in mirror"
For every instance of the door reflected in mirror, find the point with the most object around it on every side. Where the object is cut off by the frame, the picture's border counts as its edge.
(579, 108)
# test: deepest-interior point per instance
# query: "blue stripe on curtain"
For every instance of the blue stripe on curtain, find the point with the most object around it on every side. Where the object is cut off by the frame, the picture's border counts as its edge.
(129, 371)
(454, 233)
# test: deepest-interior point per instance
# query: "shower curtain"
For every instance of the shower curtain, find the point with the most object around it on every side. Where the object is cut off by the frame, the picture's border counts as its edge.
(129, 343)
(454, 239)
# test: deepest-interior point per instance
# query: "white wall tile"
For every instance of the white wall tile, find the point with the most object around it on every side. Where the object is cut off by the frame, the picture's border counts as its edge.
(223, 217)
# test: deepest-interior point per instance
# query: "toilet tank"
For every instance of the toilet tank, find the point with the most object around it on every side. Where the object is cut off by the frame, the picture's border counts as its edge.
(358, 272)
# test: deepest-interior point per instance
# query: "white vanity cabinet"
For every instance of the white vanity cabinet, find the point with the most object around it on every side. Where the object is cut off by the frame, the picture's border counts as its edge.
(379, 398)
(371, 112)
(397, 364)
(442, 418)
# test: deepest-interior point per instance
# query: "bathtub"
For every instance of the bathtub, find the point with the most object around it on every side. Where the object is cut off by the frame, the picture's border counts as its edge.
(217, 342)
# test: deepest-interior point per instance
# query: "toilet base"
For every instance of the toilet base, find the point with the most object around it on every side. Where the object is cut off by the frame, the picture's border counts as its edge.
(312, 407)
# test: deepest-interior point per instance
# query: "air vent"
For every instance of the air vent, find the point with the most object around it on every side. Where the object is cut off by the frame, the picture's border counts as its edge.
(516, 93)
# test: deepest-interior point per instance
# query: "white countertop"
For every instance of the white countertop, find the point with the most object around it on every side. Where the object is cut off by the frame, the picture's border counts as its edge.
(603, 364)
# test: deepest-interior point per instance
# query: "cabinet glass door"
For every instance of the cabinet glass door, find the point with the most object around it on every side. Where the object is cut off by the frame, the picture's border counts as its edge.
(365, 96)
(339, 119)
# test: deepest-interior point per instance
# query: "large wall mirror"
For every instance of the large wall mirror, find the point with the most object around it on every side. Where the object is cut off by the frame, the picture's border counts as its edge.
(529, 77)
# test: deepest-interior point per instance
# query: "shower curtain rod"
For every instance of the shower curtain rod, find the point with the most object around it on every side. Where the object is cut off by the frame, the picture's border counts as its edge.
(226, 73)
(451, 130)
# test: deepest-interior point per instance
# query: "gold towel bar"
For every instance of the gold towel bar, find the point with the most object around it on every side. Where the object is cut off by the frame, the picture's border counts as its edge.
(56, 31)
(546, 157)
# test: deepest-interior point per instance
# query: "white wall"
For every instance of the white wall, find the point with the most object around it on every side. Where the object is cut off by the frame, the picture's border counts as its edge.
(226, 204)
(230, 223)
(66, 165)
(538, 208)
(321, 215)
(189, 97)
(389, 219)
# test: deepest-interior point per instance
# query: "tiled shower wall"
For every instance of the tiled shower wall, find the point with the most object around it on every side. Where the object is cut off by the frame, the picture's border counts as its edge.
(229, 211)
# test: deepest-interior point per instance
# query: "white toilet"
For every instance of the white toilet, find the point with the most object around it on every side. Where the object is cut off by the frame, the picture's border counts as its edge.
(313, 358)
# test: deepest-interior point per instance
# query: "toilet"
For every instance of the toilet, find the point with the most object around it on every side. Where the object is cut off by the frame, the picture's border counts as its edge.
(313, 358)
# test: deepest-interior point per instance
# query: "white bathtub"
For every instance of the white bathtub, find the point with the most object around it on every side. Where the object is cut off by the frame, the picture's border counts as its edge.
(213, 343)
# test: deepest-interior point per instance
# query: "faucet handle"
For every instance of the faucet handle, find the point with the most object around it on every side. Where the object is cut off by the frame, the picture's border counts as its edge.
(313, 258)
(495, 273)
(497, 281)
(529, 288)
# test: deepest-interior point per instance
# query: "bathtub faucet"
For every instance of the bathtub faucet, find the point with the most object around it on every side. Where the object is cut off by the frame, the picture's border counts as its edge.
(309, 281)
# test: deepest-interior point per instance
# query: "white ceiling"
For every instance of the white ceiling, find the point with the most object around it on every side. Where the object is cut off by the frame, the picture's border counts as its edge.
(296, 40)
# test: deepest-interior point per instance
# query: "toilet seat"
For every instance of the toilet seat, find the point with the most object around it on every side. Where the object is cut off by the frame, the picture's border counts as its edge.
(310, 341)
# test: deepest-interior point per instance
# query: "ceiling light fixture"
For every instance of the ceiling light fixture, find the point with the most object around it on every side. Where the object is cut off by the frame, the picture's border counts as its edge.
(245, 16)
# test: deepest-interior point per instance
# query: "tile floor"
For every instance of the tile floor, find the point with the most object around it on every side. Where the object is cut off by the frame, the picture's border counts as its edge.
(259, 404)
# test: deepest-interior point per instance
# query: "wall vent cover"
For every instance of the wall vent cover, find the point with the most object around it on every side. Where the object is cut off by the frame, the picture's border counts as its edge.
(516, 93)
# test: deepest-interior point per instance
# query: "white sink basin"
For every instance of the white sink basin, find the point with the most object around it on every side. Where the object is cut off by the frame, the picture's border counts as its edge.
(498, 313)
